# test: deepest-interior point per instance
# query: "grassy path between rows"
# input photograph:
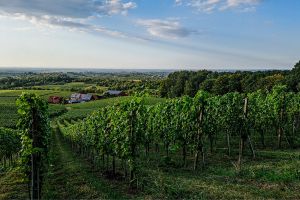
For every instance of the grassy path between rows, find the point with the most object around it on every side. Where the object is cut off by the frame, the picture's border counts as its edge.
(72, 177)
(12, 185)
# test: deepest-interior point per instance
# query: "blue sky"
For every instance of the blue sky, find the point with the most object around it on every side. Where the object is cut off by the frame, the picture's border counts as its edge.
(158, 34)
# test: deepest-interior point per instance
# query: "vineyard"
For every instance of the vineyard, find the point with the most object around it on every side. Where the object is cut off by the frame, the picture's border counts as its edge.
(143, 143)
(119, 137)
(29, 143)
(144, 99)
(10, 145)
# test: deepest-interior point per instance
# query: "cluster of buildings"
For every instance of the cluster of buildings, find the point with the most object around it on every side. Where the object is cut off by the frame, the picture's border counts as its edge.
(81, 98)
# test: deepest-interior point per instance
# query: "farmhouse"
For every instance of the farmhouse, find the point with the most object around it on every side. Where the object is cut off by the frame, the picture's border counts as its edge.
(55, 99)
(78, 98)
(114, 93)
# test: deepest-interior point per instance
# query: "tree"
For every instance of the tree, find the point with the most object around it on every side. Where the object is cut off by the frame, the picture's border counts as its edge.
(207, 85)
(269, 82)
(221, 85)
(293, 79)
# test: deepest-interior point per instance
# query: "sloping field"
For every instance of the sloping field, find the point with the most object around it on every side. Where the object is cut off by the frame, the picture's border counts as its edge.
(81, 110)
(8, 114)
(8, 109)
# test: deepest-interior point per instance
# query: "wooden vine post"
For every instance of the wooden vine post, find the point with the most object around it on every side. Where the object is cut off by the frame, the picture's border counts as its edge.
(35, 158)
(199, 141)
(281, 121)
(244, 136)
(132, 148)
(200, 105)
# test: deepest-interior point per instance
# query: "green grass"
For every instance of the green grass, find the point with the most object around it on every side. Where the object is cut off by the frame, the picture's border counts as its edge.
(12, 185)
(82, 110)
(9, 115)
(44, 93)
(264, 178)
(70, 177)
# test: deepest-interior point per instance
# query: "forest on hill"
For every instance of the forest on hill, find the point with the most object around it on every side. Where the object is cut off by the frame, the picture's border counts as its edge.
(189, 82)
(163, 84)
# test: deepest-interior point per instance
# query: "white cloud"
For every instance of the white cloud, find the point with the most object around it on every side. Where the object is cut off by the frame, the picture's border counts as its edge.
(213, 5)
(178, 2)
(113, 7)
(235, 3)
(71, 14)
(70, 24)
(169, 29)
(67, 8)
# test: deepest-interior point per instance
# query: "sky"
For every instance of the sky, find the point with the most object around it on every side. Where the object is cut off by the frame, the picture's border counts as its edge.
(151, 34)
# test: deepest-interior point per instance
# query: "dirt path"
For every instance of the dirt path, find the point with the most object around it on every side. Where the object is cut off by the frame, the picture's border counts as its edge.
(71, 177)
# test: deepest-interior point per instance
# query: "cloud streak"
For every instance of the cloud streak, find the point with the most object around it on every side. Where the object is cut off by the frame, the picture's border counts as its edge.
(209, 6)
(70, 14)
(67, 8)
(71, 24)
(168, 29)
(75, 15)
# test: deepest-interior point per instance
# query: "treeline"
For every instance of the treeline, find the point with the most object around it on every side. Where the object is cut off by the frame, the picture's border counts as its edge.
(132, 86)
(127, 132)
(189, 82)
(130, 82)
(32, 79)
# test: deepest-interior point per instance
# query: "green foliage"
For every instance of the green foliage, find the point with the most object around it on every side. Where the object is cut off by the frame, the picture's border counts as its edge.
(10, 143)
(84, 82)
(130, 128)
(293, 79)
(188, 83)
(34, 128)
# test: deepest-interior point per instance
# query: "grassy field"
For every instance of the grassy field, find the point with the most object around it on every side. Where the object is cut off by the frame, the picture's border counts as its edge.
(13, 94)
(8, 115)
(82, 110)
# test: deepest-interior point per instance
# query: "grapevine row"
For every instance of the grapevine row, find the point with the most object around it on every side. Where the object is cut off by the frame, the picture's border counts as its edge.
(126, 131)
(10, 145)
